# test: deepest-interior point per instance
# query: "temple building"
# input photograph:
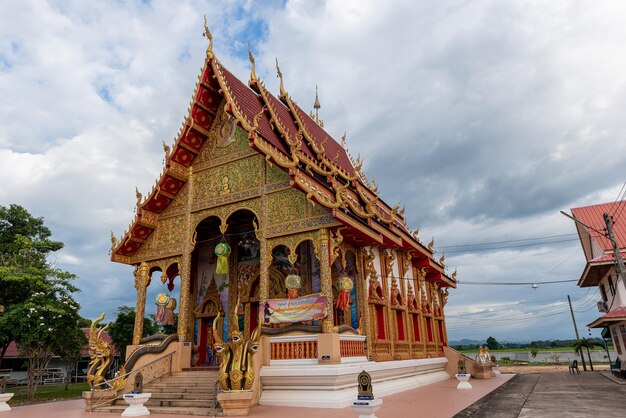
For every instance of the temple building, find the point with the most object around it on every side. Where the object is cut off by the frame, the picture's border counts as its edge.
(259, 211)
(602, 270)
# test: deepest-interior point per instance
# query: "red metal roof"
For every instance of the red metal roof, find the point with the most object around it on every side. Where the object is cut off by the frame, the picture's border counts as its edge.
(616, 315)
(593, 216)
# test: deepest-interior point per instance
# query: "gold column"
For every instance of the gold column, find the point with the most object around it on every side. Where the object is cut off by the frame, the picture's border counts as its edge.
(264, 278)
(184, 309)
(142, 276)
(326, 279)
(364, 305)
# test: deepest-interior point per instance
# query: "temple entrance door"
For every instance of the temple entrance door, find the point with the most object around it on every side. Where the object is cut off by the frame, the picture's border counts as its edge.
(206, 350)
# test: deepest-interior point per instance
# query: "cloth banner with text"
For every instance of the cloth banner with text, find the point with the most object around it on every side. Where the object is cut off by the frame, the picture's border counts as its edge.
(305, 308)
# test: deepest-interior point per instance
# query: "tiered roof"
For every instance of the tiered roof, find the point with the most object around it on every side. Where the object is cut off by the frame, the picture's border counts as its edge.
(289, 138)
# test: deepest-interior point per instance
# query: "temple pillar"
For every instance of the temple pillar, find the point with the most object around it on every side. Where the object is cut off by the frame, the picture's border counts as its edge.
(326, 279)
(264, 254)
(184, 308)
(142, 278)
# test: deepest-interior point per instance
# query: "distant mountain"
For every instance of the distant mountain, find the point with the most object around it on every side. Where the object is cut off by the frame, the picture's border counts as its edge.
(465, 341)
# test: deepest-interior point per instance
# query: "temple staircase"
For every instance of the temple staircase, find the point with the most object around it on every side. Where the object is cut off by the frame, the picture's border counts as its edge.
(190, 392)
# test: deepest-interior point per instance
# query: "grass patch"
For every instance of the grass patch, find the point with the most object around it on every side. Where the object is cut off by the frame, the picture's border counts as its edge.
(47, 393)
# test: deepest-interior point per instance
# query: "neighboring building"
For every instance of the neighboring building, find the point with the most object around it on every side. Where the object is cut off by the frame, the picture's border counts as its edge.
(601, 270)
(78, 369)
(256, 172)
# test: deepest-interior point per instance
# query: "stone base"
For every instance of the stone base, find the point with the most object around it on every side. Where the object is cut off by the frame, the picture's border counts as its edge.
(235, 403)
(4, 397)
(335, 386)
(136, 403)
(463, 381)
(367, 409)
(100, 398)
(483, 371)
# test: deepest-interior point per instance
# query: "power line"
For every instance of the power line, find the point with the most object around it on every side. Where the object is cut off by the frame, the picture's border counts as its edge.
(505, 242)
(515, 283)
(510, 246)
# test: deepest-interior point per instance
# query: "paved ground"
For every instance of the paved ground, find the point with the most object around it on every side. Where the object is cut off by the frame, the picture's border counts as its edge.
(438, 400)
(552, 395)
(546, 395)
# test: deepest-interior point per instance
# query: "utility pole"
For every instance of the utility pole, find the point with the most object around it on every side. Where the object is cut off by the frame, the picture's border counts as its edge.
(618, 256)
(582, 356)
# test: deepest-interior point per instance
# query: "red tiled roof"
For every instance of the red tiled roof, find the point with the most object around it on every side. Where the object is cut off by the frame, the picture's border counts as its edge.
(593, 216)
(13, 352)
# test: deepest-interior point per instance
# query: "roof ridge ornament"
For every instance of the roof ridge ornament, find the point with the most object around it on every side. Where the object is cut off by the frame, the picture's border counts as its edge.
(279, 74)
(207, 34)
(253, 77)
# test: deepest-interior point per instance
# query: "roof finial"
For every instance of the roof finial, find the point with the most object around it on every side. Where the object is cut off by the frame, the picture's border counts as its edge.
(317, 107)
(280, 75)
(253, 78)
(343, 139)
(207, 34)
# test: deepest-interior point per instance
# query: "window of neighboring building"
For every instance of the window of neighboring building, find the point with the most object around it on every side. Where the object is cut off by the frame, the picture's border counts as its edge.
(603, 293)
(611, 286)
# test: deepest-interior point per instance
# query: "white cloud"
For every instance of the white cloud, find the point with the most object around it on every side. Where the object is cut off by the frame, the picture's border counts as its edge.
(486, 118)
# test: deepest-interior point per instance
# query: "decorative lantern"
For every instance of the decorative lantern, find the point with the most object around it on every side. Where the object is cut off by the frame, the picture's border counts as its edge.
(293, 283)
(345, 285)
(161, 301)
(222, 251)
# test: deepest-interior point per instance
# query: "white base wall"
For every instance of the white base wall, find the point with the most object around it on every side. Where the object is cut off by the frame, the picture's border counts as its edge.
(335, 386)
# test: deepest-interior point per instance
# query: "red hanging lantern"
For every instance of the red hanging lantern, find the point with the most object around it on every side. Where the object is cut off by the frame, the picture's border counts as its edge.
(345, 285)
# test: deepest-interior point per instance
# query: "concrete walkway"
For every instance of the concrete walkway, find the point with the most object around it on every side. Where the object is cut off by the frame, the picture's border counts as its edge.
(438, 400)
(552, 395)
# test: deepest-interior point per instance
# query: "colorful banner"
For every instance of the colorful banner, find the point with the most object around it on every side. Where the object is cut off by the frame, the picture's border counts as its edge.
(306, 308)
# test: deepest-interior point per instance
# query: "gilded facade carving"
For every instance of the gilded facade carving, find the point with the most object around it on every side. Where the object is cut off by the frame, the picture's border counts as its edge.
(276, 175)
(223, 212)
(301, 225)
(169, 231)
(286, 206)
(292, 242)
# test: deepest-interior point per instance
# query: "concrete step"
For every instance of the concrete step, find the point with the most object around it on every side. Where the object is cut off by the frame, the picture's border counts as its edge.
(118, 409)
(182, 395)
(179, 403)
(182, 387)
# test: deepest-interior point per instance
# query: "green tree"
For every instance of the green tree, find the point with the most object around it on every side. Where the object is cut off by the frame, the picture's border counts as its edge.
(40, 314)
(46, 324)
(24, 268)
(121, 330)
(492, 343)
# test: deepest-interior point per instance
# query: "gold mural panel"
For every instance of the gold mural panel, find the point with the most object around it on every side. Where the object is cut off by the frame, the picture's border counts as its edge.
(285, 206)
(229, 178)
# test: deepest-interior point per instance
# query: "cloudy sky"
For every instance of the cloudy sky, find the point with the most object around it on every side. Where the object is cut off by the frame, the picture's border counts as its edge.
(484, 117)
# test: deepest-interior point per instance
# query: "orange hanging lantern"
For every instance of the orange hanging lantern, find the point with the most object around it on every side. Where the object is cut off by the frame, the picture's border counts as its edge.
(345, 285)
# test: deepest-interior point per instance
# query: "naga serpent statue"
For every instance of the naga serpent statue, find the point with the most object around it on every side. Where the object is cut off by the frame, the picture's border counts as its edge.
(101, 354)
(236, 356)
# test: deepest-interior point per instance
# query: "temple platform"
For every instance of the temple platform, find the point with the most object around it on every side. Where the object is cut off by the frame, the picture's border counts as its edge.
(335, 386)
